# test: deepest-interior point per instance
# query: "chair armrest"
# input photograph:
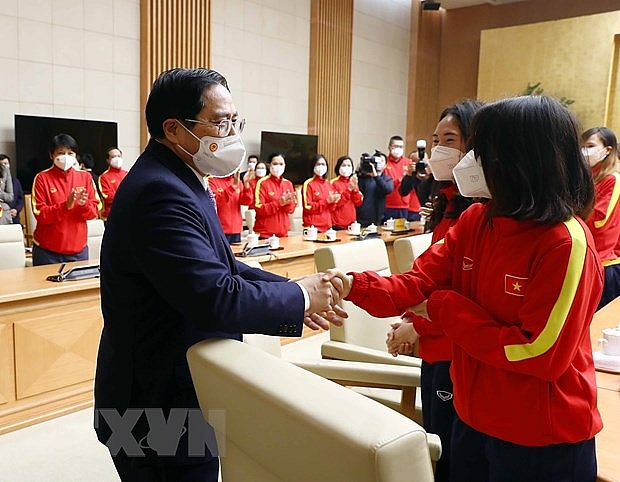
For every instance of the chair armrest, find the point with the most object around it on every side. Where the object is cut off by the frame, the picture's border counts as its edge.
(364, 374)
(434, 446)
(338, 350)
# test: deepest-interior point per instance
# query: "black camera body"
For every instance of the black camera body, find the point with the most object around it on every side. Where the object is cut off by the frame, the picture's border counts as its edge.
(367, 162)
(420, 167)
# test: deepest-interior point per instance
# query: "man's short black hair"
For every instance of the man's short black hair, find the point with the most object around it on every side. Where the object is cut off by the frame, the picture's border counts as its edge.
(178, 94)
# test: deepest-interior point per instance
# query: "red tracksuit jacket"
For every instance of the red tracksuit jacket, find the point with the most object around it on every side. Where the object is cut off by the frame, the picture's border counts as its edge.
(108, 184)
(58, 229)
(228, 200)
(271, 217)
(317, 211)
(516, 299)
(344, 212)
(604, 222)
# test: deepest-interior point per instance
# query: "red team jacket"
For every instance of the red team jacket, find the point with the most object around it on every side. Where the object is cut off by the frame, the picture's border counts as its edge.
(108, 184)
(58, 229)
(344, 213)
(271, 217)
(516, 299)
(317, 211)
(228, 201)
(397, 170)
(604, 222)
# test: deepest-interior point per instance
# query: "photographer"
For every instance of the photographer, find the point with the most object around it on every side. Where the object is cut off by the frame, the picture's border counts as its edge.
(375, 185)
(417, 172)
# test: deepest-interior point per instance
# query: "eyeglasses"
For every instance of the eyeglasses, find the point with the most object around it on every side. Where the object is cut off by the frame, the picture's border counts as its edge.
(224, 126)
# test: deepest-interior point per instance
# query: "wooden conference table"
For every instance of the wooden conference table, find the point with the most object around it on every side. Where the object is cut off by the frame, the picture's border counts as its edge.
(49, 334)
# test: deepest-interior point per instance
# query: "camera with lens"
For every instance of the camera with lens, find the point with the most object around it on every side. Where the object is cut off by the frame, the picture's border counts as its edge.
(367, 162)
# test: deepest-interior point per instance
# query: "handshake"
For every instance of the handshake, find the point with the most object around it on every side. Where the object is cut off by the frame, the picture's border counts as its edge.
(325, 291)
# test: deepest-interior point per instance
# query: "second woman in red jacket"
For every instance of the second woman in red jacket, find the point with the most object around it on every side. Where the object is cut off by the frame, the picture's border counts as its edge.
(318, 197)
(346, 185)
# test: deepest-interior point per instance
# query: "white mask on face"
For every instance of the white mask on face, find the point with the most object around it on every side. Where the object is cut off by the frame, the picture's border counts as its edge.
(345, 171)
(442, 161)
(397, 152)
(65, 161)
(593, 155)
(116, 162)
(276, 170)
(469, 177)
(320, 170)
(260, 171)
(379, 163)
(251, 165)
(218, 156)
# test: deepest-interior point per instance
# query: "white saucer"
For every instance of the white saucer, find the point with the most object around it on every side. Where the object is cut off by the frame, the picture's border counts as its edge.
(608, 363)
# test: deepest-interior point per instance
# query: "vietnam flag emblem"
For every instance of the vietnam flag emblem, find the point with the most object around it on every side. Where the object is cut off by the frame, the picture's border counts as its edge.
(514, 285)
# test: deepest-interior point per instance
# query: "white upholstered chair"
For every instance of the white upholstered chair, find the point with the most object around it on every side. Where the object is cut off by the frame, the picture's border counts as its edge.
(96, 227)
(276, 422)
(407, 249)
(12, 248)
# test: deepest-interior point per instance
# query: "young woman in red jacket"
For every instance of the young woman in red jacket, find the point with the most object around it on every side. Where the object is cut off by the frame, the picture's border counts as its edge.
(514, 284)
(346, 185)
(600, 148)
(318, 197)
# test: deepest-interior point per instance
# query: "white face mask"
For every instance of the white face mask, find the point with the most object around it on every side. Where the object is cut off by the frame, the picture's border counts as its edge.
(276, 170)
(345, 171)
(469, 177)
(379, 163)
(116, 162)
(442, 161)
(260, 171)
(397, 152)
(65, 161)
(251, 165)
(320, 170)
(593, 155)
(218, 156)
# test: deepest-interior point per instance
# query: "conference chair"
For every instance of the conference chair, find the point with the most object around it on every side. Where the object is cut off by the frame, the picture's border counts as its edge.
(407, 249)
(277, 422)
(12, 248)
(95, 228)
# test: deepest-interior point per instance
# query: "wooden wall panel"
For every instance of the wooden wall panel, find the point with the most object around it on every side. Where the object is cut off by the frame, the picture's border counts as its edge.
(173, 33)
(612, 103)
(329, 95)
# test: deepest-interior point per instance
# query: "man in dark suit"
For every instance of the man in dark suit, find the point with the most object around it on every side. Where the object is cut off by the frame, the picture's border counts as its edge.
(169, 279)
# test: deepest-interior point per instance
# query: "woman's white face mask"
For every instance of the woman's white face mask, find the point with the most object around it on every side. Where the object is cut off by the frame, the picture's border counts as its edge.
(594, 155)
(469, 177)
(442, 161)
(65, 161)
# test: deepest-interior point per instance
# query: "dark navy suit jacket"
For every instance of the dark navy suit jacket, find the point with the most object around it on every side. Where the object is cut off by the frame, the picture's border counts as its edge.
(168, 280)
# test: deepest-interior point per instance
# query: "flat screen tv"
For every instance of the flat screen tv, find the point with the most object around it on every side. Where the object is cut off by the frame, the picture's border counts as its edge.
(297, 149)
(34, 133)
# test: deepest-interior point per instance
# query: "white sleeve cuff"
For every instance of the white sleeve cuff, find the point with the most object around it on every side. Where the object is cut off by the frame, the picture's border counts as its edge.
(306, 296)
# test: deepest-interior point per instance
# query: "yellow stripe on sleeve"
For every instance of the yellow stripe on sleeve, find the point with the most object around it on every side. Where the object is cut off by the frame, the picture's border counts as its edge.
(612, 203)
(559, 313)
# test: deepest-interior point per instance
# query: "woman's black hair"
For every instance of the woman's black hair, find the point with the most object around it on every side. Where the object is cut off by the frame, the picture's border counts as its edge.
(178, 94)
(63, 140)
(529, 147)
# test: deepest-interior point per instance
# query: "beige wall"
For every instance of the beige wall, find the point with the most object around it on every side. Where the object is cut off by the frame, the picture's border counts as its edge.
(77, 60)
(571, 58)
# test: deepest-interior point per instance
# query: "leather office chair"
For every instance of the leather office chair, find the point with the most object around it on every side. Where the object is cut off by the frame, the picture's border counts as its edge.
(12, 248)
(281, 423)
(406, 250)
(95, 227)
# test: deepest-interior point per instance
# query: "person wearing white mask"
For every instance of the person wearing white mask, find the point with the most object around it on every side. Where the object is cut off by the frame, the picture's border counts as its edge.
(345, 184)
(63, 199)
(600, 149)
(318, 197)
(397, 167)
(111, 179)
(274, 200)
(375, 185)
(169, 279)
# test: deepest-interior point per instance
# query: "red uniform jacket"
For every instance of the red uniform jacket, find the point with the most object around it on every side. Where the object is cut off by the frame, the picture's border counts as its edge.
(397, 170)
(317, 211)
(271, 217)
(59, 229)
(228, 200)
(108, 184)
(344, 212)
(604, 222)
(516, 299)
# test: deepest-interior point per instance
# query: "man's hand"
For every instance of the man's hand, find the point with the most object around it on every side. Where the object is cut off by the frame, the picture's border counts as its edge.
(316, 321)
(325, 291)
(345, 279)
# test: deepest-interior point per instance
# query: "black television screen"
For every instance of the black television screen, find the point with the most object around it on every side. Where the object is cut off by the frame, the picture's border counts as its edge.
(34, 133)
(297, 149)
